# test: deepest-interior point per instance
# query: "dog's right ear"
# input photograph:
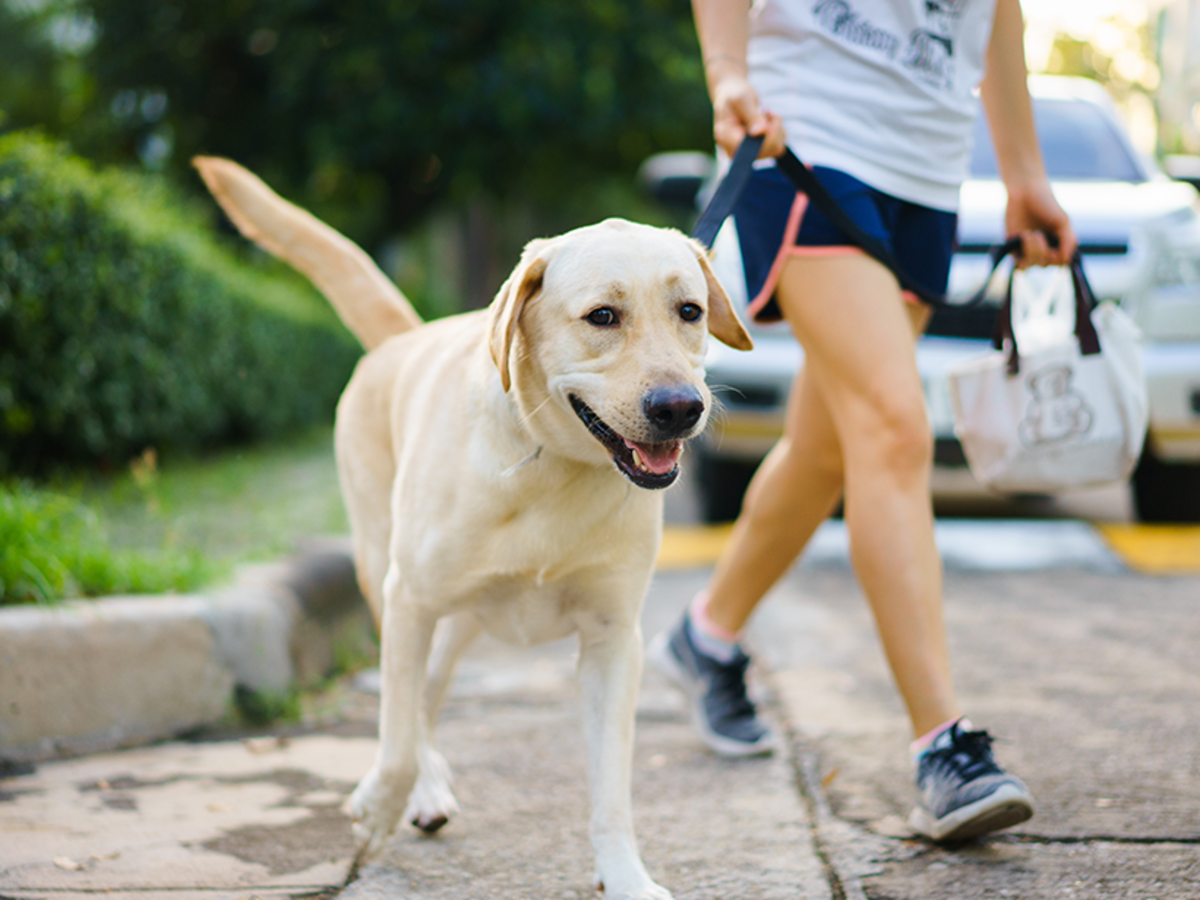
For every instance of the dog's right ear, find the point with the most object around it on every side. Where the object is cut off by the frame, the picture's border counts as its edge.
(521, 286)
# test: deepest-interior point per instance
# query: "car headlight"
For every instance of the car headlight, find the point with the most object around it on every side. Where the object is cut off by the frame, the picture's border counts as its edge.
(1177, 267)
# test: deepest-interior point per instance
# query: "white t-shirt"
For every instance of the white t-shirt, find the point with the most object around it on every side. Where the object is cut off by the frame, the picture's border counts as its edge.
(880, 89)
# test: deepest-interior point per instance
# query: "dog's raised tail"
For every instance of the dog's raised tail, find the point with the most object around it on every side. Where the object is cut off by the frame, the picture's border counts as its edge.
(367, 301)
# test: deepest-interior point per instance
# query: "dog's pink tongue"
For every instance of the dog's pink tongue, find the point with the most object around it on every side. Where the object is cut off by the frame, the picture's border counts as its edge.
(658, 459)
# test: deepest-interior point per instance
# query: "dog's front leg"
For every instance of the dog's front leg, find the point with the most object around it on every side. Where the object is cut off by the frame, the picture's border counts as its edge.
(610, 669)
(381, 796)
(432, 803)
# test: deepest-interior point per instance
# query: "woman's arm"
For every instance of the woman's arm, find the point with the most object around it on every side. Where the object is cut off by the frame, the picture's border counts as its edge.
(723, 29)
(1032, 210)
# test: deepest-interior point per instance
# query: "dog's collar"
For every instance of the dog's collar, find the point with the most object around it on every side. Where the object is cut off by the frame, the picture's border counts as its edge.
(518, 466)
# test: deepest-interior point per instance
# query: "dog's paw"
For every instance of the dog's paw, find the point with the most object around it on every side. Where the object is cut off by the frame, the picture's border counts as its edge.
(647, 891)
(633, 885)
(375, 808)
(431, 803)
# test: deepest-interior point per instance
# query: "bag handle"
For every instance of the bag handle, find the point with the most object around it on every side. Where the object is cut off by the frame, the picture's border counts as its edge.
(1085, 302)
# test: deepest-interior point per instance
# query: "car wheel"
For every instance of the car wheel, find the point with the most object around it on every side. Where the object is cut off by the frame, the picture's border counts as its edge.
(1166, 491)
(721, 484)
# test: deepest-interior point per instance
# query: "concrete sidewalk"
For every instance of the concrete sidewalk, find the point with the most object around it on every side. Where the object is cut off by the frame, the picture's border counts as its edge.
(262, 816)
(1090, 680)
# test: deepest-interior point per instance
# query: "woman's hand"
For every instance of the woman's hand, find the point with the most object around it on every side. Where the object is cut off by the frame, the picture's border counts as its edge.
(736, 111)
(1032, 214)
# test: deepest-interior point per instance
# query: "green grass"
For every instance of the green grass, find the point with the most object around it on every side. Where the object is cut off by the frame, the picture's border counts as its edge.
(53, 547)
(176, 524)
(242, 504)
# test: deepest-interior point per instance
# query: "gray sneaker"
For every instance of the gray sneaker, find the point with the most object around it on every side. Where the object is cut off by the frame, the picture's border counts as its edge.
(964, 794)
(723, 713)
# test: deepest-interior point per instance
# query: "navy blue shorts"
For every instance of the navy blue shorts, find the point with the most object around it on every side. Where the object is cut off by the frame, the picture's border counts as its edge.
(774, 222)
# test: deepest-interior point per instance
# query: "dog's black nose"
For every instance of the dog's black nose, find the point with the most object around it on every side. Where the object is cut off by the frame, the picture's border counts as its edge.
(673, 410)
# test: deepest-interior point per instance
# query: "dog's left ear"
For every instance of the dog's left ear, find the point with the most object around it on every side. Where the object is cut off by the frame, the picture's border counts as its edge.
(522, 284)
(723, 322)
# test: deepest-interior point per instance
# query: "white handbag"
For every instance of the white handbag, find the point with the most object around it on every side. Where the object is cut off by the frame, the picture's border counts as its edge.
(1061, 401)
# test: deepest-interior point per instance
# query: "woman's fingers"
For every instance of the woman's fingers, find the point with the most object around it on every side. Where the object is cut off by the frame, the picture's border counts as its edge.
(736, 113)
(774, 138)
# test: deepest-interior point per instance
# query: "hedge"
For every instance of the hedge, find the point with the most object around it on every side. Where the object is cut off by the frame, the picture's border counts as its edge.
(126, 323)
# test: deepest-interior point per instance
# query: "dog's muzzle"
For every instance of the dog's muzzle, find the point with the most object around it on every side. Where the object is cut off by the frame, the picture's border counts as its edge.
(672, 414)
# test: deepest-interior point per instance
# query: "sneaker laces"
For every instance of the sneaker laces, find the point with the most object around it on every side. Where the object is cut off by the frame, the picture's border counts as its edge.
(728, 685)
(969, 755)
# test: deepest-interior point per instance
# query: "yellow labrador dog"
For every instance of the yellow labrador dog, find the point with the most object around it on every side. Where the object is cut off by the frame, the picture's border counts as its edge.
(500, 471)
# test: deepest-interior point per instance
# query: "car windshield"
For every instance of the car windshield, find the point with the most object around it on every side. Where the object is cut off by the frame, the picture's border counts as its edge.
(1078, 142)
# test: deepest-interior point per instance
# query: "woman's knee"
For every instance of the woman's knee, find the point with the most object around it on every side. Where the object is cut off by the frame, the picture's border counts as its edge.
(894, 432)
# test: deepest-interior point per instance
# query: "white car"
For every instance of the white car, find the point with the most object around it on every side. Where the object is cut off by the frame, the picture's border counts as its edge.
(1139, 232)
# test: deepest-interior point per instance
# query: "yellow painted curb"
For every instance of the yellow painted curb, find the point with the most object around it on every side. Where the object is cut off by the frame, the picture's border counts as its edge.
(1156, 549)
(691, 547)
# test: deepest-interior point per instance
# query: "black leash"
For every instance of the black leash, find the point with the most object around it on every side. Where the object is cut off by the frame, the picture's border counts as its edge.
(802, 178)
(725, 198)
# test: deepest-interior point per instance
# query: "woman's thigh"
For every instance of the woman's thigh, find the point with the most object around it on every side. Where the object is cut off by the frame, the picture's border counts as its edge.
(858, 335)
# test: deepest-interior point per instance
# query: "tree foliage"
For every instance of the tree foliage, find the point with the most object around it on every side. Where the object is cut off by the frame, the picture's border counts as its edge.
(368, 112)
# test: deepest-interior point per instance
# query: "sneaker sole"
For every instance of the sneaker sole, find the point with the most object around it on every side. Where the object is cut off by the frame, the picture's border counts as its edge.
(1006, 807)
(666, 663)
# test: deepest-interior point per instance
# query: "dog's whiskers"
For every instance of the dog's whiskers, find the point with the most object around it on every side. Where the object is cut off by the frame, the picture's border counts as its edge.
(533, 412)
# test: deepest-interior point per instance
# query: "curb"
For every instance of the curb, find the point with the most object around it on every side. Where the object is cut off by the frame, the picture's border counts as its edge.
(93, 675)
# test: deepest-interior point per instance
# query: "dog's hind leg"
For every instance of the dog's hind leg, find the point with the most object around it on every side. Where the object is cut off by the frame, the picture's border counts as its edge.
(432, 801)
(382, 795)
(610, 668)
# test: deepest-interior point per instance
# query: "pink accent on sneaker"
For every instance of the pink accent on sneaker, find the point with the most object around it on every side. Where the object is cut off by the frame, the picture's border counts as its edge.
(929, 737)
(699, 613)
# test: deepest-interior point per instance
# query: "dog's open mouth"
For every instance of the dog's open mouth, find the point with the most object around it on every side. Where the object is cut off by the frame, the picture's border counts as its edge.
(646, 465)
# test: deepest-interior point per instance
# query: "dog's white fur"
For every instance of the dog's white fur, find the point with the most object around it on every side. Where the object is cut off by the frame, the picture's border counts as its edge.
(479, 498)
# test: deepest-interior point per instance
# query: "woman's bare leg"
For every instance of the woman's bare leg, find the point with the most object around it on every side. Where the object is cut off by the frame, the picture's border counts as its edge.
(856, 417)
(795, 489)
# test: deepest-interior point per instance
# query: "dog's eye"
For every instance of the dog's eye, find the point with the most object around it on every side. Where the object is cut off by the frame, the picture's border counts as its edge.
(604, 317)
(690, 312)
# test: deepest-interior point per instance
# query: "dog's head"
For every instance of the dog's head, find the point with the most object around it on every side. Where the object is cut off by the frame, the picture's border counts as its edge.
(601, 335)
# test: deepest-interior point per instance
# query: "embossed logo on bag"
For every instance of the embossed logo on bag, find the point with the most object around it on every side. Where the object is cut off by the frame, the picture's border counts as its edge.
(1056, 413)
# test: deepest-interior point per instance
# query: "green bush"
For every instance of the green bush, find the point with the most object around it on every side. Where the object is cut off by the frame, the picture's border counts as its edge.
(53, 547)
(125, 324)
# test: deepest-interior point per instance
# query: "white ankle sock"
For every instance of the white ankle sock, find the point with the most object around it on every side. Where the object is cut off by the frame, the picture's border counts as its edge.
(710, 639)
(925, 741)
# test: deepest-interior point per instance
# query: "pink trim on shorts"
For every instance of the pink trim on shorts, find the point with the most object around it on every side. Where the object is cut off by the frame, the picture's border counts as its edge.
(836, 250)
(799, 205)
